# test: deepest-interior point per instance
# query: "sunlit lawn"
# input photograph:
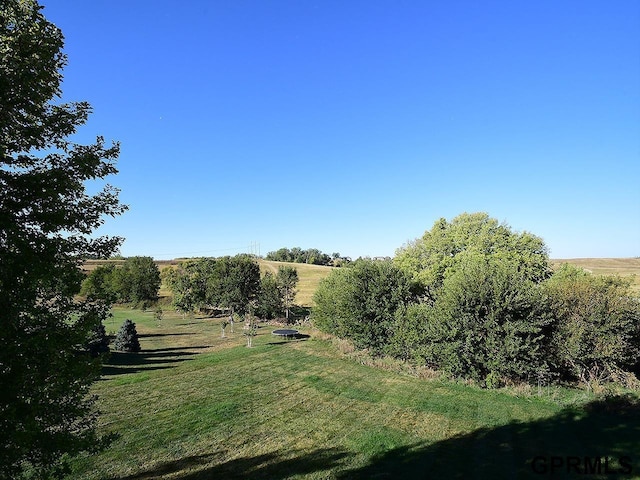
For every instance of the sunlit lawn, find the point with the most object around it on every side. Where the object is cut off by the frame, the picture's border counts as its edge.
(194, 405)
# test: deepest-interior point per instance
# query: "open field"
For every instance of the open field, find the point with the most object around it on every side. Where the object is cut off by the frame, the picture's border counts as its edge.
(625, 267)
(309, 275)
(193, 405)
(309, 278)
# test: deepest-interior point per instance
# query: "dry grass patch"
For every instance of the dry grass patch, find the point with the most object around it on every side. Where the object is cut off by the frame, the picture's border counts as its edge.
(309, 278)
(625, 267)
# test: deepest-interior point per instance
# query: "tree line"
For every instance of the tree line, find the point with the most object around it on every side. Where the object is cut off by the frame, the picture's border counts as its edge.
(232, 283)
(136, 281)
(474, 299)
(311, 256)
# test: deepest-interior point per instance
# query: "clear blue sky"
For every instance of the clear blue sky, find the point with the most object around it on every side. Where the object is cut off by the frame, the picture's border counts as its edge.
(351, 126)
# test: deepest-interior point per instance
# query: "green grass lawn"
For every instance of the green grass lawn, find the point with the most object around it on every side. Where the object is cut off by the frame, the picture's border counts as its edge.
(193, 405)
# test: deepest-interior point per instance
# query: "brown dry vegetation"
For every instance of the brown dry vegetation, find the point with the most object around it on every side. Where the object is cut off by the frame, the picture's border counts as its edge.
(625, 267)
(309, 278)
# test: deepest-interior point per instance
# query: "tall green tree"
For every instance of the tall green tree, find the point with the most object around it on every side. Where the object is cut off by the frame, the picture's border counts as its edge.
(178, 281)
(137, 280)
(191, 284)
(287, 279)
(46, 221)
(99, 284)
(235, 283)
(440, 250)
(269, 301)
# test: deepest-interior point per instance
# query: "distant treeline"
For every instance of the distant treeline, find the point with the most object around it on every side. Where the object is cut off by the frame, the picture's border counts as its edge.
(136, 280)
(311, 256)
(231, 283)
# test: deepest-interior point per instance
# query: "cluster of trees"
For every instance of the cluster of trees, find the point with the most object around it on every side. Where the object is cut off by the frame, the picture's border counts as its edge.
(311, 255)
(126, 340)
(232, 283)
(46, 222)
(137, 281)
(477, 300)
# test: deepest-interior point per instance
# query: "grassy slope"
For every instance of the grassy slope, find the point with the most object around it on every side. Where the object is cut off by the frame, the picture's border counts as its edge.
(626, 267)
(194, 405)
(309, 278)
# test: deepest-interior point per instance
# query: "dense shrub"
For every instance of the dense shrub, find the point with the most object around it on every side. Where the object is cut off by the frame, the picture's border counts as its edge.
(596, 331)
(487, 308)
(409, 336)
(487, 323)
(127, 338)
(360, 302)
(269, 301)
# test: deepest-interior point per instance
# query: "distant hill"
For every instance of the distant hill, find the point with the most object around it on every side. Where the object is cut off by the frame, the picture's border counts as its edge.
(310, 275)
(309, 278)
(625, 267)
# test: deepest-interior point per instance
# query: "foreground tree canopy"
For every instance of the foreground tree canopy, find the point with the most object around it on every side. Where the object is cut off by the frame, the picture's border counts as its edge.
(474, 299)
(46, 219)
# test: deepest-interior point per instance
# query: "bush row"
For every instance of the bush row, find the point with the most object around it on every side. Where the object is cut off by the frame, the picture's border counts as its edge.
(476, 300)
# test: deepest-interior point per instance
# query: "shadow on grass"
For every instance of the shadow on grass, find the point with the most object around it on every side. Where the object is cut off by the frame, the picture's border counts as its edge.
(149, 335)
(598, 440)
(176, 349)
(296, 338)
(123, 362)
(274, 465)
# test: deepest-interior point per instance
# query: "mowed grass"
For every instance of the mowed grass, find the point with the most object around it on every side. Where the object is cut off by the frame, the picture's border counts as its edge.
(193, 405)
